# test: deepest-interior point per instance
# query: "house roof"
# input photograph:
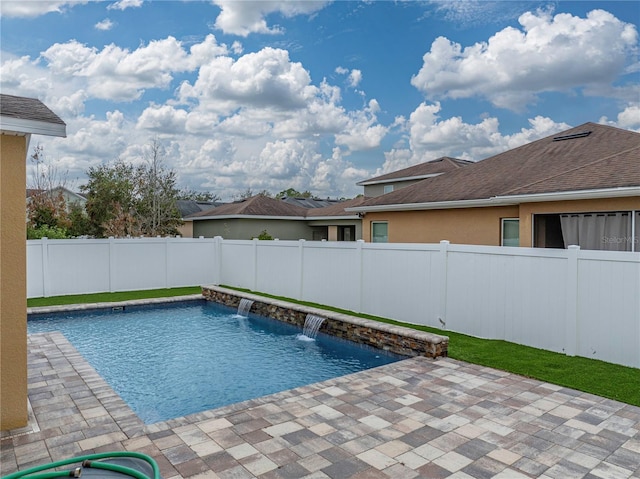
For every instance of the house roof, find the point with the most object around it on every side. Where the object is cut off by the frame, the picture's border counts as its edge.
(29, 115)
(258, 205)
(337, 209)
(585, 158)
(422, 170)
(309, 202)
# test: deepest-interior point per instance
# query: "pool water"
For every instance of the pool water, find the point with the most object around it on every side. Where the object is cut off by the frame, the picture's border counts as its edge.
(170, 361)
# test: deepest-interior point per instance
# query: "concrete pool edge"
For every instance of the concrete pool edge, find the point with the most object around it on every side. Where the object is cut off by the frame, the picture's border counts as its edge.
(397, 339)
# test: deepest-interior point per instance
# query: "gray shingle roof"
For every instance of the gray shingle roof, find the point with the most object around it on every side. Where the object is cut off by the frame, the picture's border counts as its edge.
(607, 157)
(27, 109)
(440, 165)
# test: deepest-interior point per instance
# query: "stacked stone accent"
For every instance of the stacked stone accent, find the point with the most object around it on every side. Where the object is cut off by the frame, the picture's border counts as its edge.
(388, 337)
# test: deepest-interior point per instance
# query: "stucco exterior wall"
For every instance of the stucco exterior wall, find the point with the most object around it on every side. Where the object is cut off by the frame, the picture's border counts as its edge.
(250, 228)
(378, 189)
(186, 230)
(13, 283)
(527, 210)
(479, 226)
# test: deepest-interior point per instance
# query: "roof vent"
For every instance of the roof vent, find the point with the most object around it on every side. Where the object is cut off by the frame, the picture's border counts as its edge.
(582, 134)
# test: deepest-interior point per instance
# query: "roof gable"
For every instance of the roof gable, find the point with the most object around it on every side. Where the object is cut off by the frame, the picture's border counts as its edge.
(552, 164)
(426, 169)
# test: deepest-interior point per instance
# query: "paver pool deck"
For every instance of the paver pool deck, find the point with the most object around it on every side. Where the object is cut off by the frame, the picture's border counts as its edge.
(414, 418)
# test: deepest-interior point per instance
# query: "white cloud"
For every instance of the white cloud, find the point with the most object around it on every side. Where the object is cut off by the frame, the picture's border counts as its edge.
(163, 119)
(30, 9)
(104, 25)
(362, 131)
(124, 4)
(432, 138)
(629, 118)
(244, 18)
(547, 54)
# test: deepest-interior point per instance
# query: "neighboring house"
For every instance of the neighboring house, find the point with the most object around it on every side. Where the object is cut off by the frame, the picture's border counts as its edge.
(396, 180)
(20, 118)
(69, 196)
(580, 186)
(190, 207)
(279, 218)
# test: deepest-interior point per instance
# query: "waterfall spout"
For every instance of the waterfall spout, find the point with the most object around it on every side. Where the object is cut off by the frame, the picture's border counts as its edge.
(312, 324)
(244, 307)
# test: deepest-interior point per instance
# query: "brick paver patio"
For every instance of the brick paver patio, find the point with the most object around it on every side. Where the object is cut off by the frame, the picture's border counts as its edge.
(414, 418)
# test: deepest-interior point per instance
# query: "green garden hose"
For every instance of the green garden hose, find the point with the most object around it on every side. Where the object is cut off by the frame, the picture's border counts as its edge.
(90, 460)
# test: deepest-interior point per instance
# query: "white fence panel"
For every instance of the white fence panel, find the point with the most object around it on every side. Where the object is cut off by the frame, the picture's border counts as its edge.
(237, 263)
(507, 293)
(35, 273)
(608, 299)
(139, 264)
(191, 261)
(77, 269)
(399, 282)
(332, 274)
(279, 267)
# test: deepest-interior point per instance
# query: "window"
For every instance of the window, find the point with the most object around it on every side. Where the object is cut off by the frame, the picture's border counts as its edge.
(346, 233)
(379, 232)
(510, 232)
(387, 189)
(612, 231)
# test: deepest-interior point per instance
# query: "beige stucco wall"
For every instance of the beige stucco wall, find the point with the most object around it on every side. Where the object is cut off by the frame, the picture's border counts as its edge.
(186, 229)
(481, 225)
(527, 210)
(13, 283)
(459, 226)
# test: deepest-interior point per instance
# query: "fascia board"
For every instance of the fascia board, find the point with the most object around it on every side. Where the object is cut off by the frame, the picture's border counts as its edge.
(400, 179)
(330, 218)
(439, 205)
(250, 217)
(22, 126)
(621, 192)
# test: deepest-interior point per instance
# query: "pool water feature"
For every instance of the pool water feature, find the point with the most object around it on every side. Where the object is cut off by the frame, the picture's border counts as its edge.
(179, 359)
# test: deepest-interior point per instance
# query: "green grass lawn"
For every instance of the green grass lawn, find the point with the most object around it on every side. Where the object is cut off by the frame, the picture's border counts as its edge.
(112, 297)
(589, 375)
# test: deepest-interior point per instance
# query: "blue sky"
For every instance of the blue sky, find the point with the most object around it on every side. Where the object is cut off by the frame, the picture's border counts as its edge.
(267, 95)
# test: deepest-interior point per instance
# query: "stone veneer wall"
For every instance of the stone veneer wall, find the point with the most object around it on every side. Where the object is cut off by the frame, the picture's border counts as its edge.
(397, 339)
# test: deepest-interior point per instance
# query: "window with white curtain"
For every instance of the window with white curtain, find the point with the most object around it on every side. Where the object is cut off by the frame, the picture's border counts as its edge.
(612, 231)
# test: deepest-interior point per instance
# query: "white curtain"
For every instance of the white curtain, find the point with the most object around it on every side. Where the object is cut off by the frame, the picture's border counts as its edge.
(601, 231)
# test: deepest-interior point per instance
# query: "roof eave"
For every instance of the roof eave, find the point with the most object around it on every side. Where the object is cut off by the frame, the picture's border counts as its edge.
(238, 217)
(335, 217)
(506, 200)
(619, 192)
(395, 180)
(34, 127)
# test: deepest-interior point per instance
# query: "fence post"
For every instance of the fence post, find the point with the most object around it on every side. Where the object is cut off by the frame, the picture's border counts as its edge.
(359, 244)
(45, 267)
(254, 283)
(301, 243)
(571, 308)
(112, 264)
(442, 273)
(217, 257)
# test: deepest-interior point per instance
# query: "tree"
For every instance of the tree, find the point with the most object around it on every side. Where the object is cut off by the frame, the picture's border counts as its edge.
(156, 205)
(123, 200)
(293, 193)
(188, 194)
(110, 191)
(46, 207)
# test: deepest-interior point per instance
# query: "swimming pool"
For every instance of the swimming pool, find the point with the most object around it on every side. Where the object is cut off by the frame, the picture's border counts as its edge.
(174, 360)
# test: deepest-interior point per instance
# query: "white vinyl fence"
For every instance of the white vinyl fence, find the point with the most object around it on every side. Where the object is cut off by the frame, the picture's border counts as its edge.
(579, 302)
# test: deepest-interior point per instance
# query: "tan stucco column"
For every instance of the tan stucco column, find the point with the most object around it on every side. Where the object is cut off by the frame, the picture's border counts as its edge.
(13, 283)
(332, 233)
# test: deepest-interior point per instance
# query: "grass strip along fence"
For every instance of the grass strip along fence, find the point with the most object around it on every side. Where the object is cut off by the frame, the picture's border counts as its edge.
(608, 380)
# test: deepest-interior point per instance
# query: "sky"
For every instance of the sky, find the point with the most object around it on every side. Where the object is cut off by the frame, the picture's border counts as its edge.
(248, 96)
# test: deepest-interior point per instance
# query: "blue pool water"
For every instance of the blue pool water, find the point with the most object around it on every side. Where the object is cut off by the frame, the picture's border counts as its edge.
(170, 361)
